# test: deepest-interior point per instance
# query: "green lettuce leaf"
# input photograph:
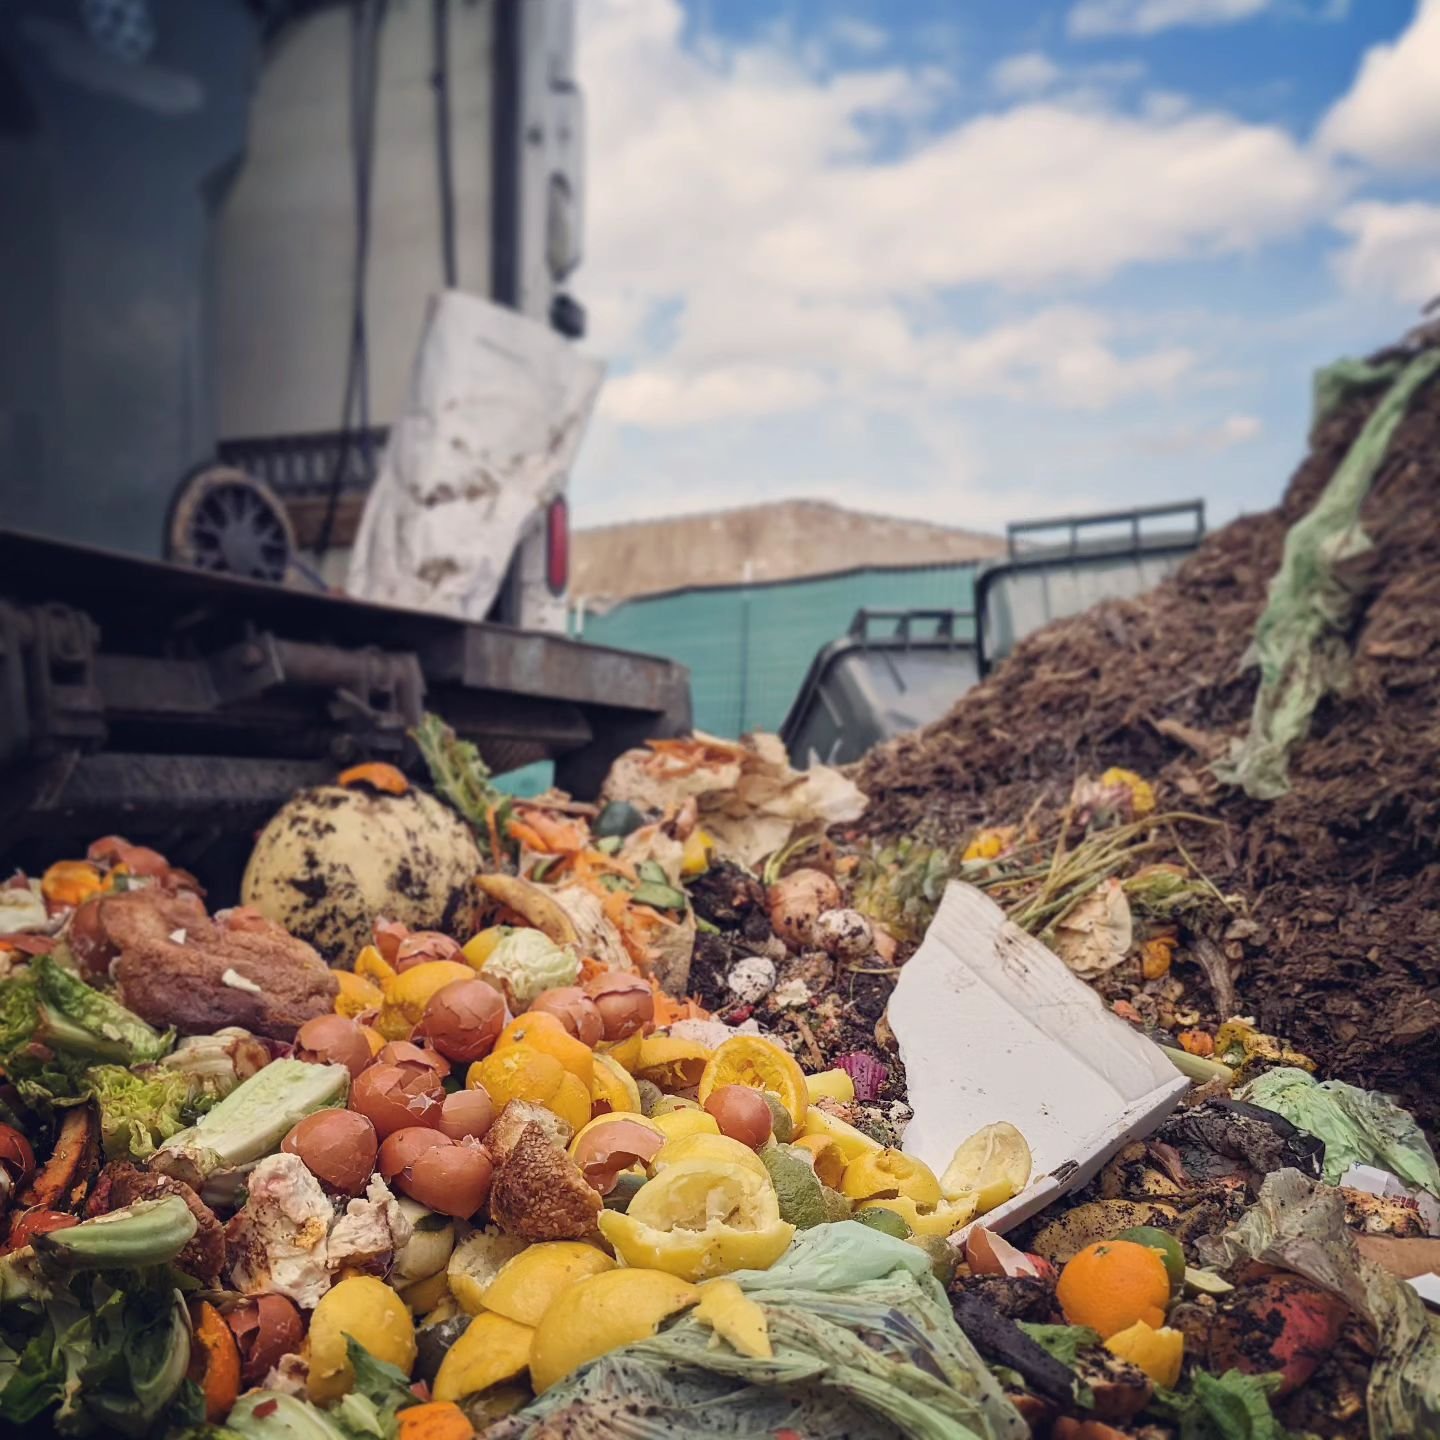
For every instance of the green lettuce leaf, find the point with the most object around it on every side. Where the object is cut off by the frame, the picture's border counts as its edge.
(1062, 1342)
(138, 1111)
(75, 1016)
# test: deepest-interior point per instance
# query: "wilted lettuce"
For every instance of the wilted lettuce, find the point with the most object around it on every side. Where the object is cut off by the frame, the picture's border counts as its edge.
(139, 1111)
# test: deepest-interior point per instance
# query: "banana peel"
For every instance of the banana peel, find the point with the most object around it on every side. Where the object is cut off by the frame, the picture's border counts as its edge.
(1063, 1239)
(533, 904)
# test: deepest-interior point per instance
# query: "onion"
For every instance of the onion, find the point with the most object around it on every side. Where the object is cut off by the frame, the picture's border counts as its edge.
(389, 936)
(17, 1159)
(464, 1020)
(333, 1040)
(403, 1053)
(337, 1147)
(400, 1149)
(396, 1097)
(422, 946)
(265, 1328)
(453, 1181)
(466, 1113)
(90, 942)
(625, 1002)
(796, 901)
(37, 1220)
(613, 1147)
(742, 1114)
(575, 1010)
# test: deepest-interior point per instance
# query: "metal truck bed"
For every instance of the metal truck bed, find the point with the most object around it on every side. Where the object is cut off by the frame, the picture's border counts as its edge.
(166, 701)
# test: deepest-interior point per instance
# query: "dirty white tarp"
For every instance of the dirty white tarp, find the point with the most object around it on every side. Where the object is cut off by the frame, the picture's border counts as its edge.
(498, 405)
(992, 1026)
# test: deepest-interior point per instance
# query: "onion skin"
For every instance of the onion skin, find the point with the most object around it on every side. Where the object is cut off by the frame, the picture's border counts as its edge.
(575, 1010)
(796, 901)
(265, 1328)
(626, 1003)
(466, 1113)
(400, 1150)
(333, 1040)
(464, 1020)
(396, 1097)
(338, 1147)
(452, 1181)
(742, 1114)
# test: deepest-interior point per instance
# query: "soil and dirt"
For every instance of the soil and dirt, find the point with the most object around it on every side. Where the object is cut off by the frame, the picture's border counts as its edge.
(1340, 876)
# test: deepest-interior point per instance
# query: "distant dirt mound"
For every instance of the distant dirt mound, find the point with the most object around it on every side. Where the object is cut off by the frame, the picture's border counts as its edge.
(1342, 873)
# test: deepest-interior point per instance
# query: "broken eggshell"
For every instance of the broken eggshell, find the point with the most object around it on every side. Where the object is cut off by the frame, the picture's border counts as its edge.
(625, 1002)
(464, 1020)
(394, 1097)
(844, 934)
(751, 979)
(419, 947)
(338, 1147)
(265, 1327)
(333, 1040)
(610, 1149)
(575, 1010)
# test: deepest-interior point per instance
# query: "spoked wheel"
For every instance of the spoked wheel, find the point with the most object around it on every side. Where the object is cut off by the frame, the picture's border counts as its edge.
(224, 520)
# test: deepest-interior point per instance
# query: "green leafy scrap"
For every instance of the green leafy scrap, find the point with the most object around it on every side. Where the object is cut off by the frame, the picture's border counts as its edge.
(1062, 1342)
(1232, 1406)
(462, 779)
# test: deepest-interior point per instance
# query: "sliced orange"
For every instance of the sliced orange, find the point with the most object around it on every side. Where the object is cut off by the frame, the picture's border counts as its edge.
(539, 1030)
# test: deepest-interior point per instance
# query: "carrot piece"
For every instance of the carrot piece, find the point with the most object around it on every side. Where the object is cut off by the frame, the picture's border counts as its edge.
(214, 1361)
(435, 1420)
(378, 776)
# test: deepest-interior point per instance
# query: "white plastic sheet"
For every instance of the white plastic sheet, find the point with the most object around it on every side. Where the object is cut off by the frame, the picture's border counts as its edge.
(992, 1026)
(498, 406)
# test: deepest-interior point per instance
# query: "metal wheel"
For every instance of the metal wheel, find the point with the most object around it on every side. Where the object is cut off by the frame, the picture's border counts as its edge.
(224, 520)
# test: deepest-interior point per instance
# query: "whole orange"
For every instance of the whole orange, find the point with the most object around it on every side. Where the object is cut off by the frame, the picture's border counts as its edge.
(1112, 1284)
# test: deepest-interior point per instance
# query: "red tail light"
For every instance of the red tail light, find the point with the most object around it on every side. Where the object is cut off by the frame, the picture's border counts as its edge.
(557, 546)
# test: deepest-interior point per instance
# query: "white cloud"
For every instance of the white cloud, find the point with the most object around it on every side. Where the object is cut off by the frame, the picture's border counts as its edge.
(1029, 74)
(1391, 115)
(664, 399)
(813, 256)
(1091, 18)
(1394, 250)
(1224, 434)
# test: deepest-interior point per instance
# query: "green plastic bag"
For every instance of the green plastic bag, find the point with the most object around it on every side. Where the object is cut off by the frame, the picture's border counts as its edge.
(1300, 643)
(865, 1346)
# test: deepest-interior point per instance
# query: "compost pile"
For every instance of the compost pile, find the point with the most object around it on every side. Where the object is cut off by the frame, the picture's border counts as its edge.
(1338, 877)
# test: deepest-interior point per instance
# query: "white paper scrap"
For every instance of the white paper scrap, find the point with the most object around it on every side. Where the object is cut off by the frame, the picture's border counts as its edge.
(993, 1026)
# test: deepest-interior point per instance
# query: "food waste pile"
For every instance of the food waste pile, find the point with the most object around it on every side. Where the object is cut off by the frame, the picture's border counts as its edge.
(676, 1113)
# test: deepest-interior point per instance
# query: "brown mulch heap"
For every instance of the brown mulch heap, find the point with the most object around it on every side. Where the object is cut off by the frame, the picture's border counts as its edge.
(1342, 874)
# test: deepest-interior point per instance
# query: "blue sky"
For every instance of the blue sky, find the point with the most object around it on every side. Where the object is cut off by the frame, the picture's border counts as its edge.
(981, 262)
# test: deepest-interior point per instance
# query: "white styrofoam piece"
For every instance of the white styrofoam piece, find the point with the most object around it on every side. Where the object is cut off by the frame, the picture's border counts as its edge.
(992, 1026)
